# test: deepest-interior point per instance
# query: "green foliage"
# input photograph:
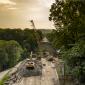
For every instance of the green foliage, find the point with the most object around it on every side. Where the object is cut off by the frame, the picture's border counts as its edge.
(4, 79)
(16, 44)
(67, 13)
(75, 58)
(69, 19)
(3, 54)
(10, 53)
(26, 38)
(14, 51)
(60, 38)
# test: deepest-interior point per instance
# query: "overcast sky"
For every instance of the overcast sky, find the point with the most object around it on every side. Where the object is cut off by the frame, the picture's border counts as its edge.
(18, 13)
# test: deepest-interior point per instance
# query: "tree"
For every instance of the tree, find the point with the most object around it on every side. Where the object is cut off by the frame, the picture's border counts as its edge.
(26, 38)
(69, 19)
(10, 53)
(69, 16)
(14, 51)
(75, 58)
(3, 54)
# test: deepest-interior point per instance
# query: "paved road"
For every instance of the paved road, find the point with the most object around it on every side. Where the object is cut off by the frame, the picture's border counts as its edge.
(49, 76)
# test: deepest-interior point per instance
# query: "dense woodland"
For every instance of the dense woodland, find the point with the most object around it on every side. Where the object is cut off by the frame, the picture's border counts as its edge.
(69, 36)
(16, 45)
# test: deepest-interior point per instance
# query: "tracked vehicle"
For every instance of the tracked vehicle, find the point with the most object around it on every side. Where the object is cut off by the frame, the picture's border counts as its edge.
(30, 65)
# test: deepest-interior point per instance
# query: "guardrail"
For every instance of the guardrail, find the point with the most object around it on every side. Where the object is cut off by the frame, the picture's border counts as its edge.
(15, 74)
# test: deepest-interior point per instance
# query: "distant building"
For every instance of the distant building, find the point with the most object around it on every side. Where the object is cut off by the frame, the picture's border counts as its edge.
(47, 47)
(45, 40)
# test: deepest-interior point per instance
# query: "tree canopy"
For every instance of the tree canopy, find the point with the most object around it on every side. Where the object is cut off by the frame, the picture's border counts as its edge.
(69, 36)
(16, 44)
(10, 53)
(26, 38)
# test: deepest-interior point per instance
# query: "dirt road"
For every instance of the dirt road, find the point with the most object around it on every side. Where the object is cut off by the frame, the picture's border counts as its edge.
(49, 76)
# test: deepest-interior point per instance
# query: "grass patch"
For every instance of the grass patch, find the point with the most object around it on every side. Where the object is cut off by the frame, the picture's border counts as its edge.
(4, 79)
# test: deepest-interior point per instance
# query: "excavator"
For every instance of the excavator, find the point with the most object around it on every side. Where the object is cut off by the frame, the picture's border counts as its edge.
(30, 63)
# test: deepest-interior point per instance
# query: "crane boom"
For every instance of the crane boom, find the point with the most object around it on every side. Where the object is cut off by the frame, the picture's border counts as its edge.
(33, 24)
(35, 31)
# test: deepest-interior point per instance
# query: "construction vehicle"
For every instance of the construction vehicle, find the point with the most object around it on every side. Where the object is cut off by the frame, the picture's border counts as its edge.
(30, 65)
